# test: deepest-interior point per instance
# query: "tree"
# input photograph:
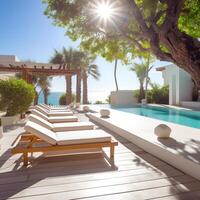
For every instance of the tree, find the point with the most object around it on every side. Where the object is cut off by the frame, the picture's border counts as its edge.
(62, 99)
(79, 57)
(43, 83)
(16, 96)
(167, 28)
(46, 92)
(142, 70)
(67, 58)
(88, 69)
(115, 75)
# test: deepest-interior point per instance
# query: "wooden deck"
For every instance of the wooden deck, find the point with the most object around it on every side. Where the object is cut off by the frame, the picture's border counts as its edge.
(135, 175)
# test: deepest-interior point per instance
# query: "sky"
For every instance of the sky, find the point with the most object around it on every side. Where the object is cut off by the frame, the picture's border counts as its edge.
(27, 33)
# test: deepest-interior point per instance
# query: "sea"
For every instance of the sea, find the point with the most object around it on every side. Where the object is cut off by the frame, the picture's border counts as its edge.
(93, 96)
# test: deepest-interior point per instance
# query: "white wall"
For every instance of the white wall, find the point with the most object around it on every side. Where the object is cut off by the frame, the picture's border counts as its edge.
(8, 58)
(5, 59)
(123, 98)
(180, 84)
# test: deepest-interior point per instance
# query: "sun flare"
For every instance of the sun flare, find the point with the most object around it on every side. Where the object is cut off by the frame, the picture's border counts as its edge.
(105, 13)
(104, 10)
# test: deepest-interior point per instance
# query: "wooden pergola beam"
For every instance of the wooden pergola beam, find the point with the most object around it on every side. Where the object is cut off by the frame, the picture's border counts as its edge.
(35, 71)
(28, 70)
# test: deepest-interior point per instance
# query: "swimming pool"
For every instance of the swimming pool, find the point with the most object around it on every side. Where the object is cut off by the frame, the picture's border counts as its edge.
(183, 117)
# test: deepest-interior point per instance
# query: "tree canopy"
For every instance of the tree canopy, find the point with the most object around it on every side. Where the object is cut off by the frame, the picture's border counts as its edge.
(167, 28)
(16, 96)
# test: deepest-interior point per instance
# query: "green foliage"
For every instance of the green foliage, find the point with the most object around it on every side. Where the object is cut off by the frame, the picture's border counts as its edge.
(158, 94)
(16, 96)
(189, 21)
(121, 36)
(69, 58)
(142, 70)
(108, 100)
(136, 93)
(62, 100)
(98, 102)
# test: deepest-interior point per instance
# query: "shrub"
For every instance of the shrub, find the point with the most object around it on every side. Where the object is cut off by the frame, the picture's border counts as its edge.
(108, 100)
(62, 100)
(136, 93)
(98, 102)
(16, 96)
(157, 94)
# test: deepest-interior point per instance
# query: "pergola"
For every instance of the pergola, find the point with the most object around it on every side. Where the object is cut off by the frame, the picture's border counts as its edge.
(30, 69)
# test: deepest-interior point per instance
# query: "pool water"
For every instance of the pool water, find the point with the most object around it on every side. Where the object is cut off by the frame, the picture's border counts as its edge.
(183, 117)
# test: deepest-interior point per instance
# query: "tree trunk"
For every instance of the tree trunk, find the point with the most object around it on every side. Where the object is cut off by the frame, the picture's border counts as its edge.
(85, 89)
(182, 49)
(185, 52)
(115, 75)
(45, 92)
(68, 89)
(78, 88)
(142, 93)
(146, 87)
(36, 99)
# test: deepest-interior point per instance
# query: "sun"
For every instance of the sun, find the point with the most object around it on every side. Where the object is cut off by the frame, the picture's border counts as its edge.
(104, 10)
(104, 13)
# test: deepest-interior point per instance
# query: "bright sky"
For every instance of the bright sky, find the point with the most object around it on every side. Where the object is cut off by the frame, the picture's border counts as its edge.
(27, 33)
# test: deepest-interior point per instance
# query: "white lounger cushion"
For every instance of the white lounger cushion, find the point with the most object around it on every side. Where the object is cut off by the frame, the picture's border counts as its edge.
(61, 126)
(41, 132)
(58, 119)
(48, 111)
(74, 126)
(53, 113)
(54, 109)
(41, 121)
(71, 137)
(36, 112)
(63, 119)
(82, 137)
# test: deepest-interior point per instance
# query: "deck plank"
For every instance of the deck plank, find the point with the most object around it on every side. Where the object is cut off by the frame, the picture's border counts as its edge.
(135, 175)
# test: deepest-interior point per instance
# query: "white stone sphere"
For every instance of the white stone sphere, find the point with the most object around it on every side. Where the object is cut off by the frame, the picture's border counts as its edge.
(144, 101)
(105, 113)
(86, 108)
(77, 105)
(162, 131)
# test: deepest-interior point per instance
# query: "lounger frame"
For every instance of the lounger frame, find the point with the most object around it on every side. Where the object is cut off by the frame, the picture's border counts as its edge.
(29, 140)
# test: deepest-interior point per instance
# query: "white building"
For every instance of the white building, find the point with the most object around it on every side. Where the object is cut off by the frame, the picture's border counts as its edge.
(180, 86)
(7, 59)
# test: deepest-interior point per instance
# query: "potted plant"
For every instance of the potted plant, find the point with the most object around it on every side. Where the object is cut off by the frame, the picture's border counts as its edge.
(15, 98)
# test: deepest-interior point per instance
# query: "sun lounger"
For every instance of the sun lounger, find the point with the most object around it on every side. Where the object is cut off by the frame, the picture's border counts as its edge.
(53, 113)
(55, 107)
(73, 126)
(59, 119)
(52, 108)
(40, 139)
